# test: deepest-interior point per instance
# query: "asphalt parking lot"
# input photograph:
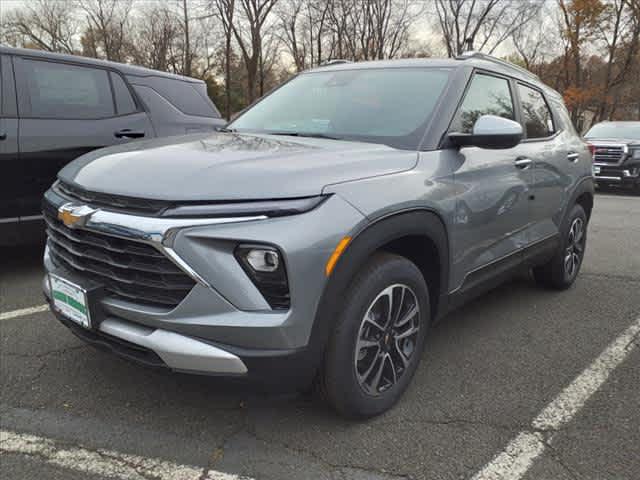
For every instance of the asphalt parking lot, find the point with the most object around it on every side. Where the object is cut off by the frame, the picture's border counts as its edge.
(523, 383)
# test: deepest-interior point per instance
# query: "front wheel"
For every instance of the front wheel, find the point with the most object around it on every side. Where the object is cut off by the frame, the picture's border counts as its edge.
(561, 271)
(378, 340)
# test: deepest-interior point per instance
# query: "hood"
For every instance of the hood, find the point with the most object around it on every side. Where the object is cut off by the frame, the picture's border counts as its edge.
(231, 166)
(621, 141)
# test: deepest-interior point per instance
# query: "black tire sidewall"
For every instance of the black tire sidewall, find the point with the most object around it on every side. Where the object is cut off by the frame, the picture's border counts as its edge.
(341, 385)
(558, 278)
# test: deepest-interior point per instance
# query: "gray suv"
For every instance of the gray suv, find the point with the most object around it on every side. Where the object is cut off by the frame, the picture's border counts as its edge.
(320, 236)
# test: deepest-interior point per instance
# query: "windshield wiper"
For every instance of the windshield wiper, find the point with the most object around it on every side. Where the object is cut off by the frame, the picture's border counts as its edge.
(307, 135)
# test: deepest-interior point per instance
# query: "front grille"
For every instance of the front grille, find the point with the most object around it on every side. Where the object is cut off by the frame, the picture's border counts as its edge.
(127, 269)
(112, 202)
(608, 154)
(610, 172)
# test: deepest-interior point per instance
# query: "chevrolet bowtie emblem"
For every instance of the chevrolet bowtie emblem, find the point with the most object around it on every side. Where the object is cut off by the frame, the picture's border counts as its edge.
(74, 216)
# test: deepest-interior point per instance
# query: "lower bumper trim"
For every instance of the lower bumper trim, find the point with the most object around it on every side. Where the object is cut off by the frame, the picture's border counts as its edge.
(156, 347)
(177, 351)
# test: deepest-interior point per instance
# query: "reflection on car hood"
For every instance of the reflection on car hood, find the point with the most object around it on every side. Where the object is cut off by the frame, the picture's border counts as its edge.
(231, 166)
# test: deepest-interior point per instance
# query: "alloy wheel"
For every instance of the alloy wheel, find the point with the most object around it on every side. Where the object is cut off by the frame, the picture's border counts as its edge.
(387, 339)
(575, 248)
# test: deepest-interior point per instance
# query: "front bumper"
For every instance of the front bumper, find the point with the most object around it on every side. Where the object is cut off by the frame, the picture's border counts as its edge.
(624, 173)
(223, 326)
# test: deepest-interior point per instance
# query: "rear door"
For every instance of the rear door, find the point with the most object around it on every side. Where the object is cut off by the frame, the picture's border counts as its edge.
(66, 110)
(549, 147)
(9, 161)
(492, 208)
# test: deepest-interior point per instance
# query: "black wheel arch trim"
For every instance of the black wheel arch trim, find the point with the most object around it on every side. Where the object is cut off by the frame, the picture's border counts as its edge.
(365, 241)
(585, 185)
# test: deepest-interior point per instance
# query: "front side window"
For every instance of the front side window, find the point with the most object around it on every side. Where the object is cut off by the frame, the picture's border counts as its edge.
(62, 91)
(486, 95)
(389, 106)
(537, 117)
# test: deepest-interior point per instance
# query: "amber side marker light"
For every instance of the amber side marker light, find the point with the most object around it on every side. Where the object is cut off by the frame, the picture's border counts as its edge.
(335, 256)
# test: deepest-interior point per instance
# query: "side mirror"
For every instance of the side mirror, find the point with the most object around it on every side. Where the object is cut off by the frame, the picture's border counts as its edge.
(489, 131)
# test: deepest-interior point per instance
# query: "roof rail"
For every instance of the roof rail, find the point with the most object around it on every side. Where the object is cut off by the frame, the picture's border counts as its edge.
(335, 61)
(490, 58)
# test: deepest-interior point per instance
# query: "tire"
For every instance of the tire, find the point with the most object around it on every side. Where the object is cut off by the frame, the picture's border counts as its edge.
(562, 270)
(348, 379)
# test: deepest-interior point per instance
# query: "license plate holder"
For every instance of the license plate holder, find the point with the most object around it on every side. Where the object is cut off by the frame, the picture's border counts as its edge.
(71, 300)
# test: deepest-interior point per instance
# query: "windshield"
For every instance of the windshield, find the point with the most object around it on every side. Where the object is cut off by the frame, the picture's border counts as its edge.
(615, 130)
(390, 106)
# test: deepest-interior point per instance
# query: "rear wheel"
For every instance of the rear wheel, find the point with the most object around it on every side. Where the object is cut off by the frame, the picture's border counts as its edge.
(561, 271)
(379, 337)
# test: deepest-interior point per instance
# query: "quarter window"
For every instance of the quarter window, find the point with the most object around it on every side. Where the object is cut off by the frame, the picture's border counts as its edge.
(487, 95)
(124, 101)
(537, 117)
(58, 90)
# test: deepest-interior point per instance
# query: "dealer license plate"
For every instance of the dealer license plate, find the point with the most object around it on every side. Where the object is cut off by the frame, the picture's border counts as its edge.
(70, 300)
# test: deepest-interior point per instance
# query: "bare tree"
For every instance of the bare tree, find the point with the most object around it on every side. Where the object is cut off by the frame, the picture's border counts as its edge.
(154, 35)
(482, 24)
(225, 10)
(249, 36)
(44, 24)
(107, 28)
(620, 32)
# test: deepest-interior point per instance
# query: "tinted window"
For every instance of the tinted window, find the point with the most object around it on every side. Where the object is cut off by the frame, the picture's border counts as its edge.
(537, 117)
(187, 97)
(124, 101)
(487, 95)
(388, 106)
(58, 90)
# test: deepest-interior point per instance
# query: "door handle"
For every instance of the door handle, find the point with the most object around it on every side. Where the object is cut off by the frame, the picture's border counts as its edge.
(523, 163)
(573, 157)
(3, 135)
(128, 133)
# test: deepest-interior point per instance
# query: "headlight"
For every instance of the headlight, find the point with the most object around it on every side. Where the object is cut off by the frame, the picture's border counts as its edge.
(264, 265)
(270, 208)
(635, 154)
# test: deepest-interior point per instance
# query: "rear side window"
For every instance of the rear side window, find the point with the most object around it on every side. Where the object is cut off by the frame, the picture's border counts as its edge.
(537, 117)
(486, 95)
(189, 98)
(58, 90)
(125, 104)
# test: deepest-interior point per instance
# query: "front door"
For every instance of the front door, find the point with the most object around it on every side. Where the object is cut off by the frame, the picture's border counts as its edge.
(492, 208)
(9, 160)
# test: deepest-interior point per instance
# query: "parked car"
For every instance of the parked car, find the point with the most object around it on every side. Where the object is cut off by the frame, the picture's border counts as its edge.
(616, 153)
(322, 233)
(56, 107)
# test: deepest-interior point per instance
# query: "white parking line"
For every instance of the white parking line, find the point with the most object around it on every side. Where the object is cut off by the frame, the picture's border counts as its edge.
(514, 461)
(103, 462)
(23, 311)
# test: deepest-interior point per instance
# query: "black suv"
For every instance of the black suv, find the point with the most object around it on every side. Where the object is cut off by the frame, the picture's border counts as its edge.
(55, 107)
(616, 153)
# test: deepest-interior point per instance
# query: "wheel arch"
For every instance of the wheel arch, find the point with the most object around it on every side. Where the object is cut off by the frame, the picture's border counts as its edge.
(402, 233)
(583, 195)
